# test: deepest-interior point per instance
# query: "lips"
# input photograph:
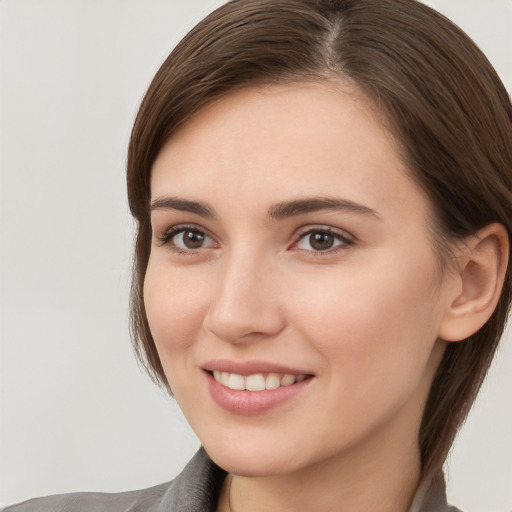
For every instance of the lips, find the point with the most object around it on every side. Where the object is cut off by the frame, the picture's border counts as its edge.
(253, 387)
(251, 367)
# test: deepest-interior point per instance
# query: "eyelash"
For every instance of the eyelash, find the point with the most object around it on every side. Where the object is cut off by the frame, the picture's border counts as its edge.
(346, 240)
(167, 236)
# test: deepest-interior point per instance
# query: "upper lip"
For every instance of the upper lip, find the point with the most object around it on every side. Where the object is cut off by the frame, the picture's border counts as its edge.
(250, 367)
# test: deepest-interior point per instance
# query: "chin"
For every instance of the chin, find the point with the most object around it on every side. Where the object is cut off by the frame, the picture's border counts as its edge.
(250, 460)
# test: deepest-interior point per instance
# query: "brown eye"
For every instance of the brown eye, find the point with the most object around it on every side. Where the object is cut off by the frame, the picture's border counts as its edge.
(322, 240)
(191, 239)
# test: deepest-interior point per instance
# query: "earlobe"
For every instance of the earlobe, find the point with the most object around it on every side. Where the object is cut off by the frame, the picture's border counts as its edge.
(476, 286)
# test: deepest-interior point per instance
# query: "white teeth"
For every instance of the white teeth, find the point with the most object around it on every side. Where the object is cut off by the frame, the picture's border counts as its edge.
(236, 381)
(273, 381)
(287, 380)
(256, 381)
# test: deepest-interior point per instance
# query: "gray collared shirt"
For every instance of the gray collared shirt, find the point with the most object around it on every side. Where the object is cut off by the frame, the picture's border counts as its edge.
(196, 489)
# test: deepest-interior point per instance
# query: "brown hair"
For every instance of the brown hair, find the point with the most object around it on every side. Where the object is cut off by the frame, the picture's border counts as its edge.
(446, 106)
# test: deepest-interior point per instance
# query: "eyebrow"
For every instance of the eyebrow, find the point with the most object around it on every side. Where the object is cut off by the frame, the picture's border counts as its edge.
(183, 205)
(278, 211)
(301, 206)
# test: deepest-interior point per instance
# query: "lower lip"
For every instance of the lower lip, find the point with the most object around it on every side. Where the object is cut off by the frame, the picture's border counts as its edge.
(251, 403)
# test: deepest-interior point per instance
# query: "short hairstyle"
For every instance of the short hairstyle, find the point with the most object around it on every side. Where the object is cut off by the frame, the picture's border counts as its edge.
(443, 101)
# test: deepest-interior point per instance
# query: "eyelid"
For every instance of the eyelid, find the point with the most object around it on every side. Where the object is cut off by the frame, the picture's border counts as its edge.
(164, 238)
(167, 235)
(347, 238)
(327, 229)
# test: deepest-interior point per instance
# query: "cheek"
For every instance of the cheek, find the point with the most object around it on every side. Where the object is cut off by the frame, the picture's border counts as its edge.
(175, 305)
(373, 325)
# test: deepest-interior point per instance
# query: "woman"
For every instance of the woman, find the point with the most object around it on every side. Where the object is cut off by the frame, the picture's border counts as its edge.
(323, 198)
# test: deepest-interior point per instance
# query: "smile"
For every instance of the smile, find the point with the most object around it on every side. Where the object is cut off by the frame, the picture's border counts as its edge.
(254, 387)
(256, 381)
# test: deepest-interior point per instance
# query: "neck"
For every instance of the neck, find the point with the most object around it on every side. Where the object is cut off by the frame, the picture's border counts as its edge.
(355, 482)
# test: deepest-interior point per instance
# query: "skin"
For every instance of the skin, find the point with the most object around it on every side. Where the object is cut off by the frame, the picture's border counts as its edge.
(363, 317)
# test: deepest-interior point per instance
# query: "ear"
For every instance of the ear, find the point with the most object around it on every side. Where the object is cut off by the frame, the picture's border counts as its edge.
(475, 286)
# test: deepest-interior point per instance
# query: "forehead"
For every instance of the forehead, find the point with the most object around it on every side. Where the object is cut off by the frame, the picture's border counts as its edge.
(275, 143)
(250, 118)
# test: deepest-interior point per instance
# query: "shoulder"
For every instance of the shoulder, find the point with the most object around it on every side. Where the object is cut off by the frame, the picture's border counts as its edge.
(196, 489)
(144, 499)
(431, 496)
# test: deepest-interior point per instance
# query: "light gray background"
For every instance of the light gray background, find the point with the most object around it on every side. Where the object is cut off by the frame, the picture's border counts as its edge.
(76, 412)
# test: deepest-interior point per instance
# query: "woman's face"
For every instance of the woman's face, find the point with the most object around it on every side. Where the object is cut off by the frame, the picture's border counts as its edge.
(293, 256)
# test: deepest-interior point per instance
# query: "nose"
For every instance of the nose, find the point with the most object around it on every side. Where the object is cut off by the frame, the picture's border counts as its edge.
(245, 305)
